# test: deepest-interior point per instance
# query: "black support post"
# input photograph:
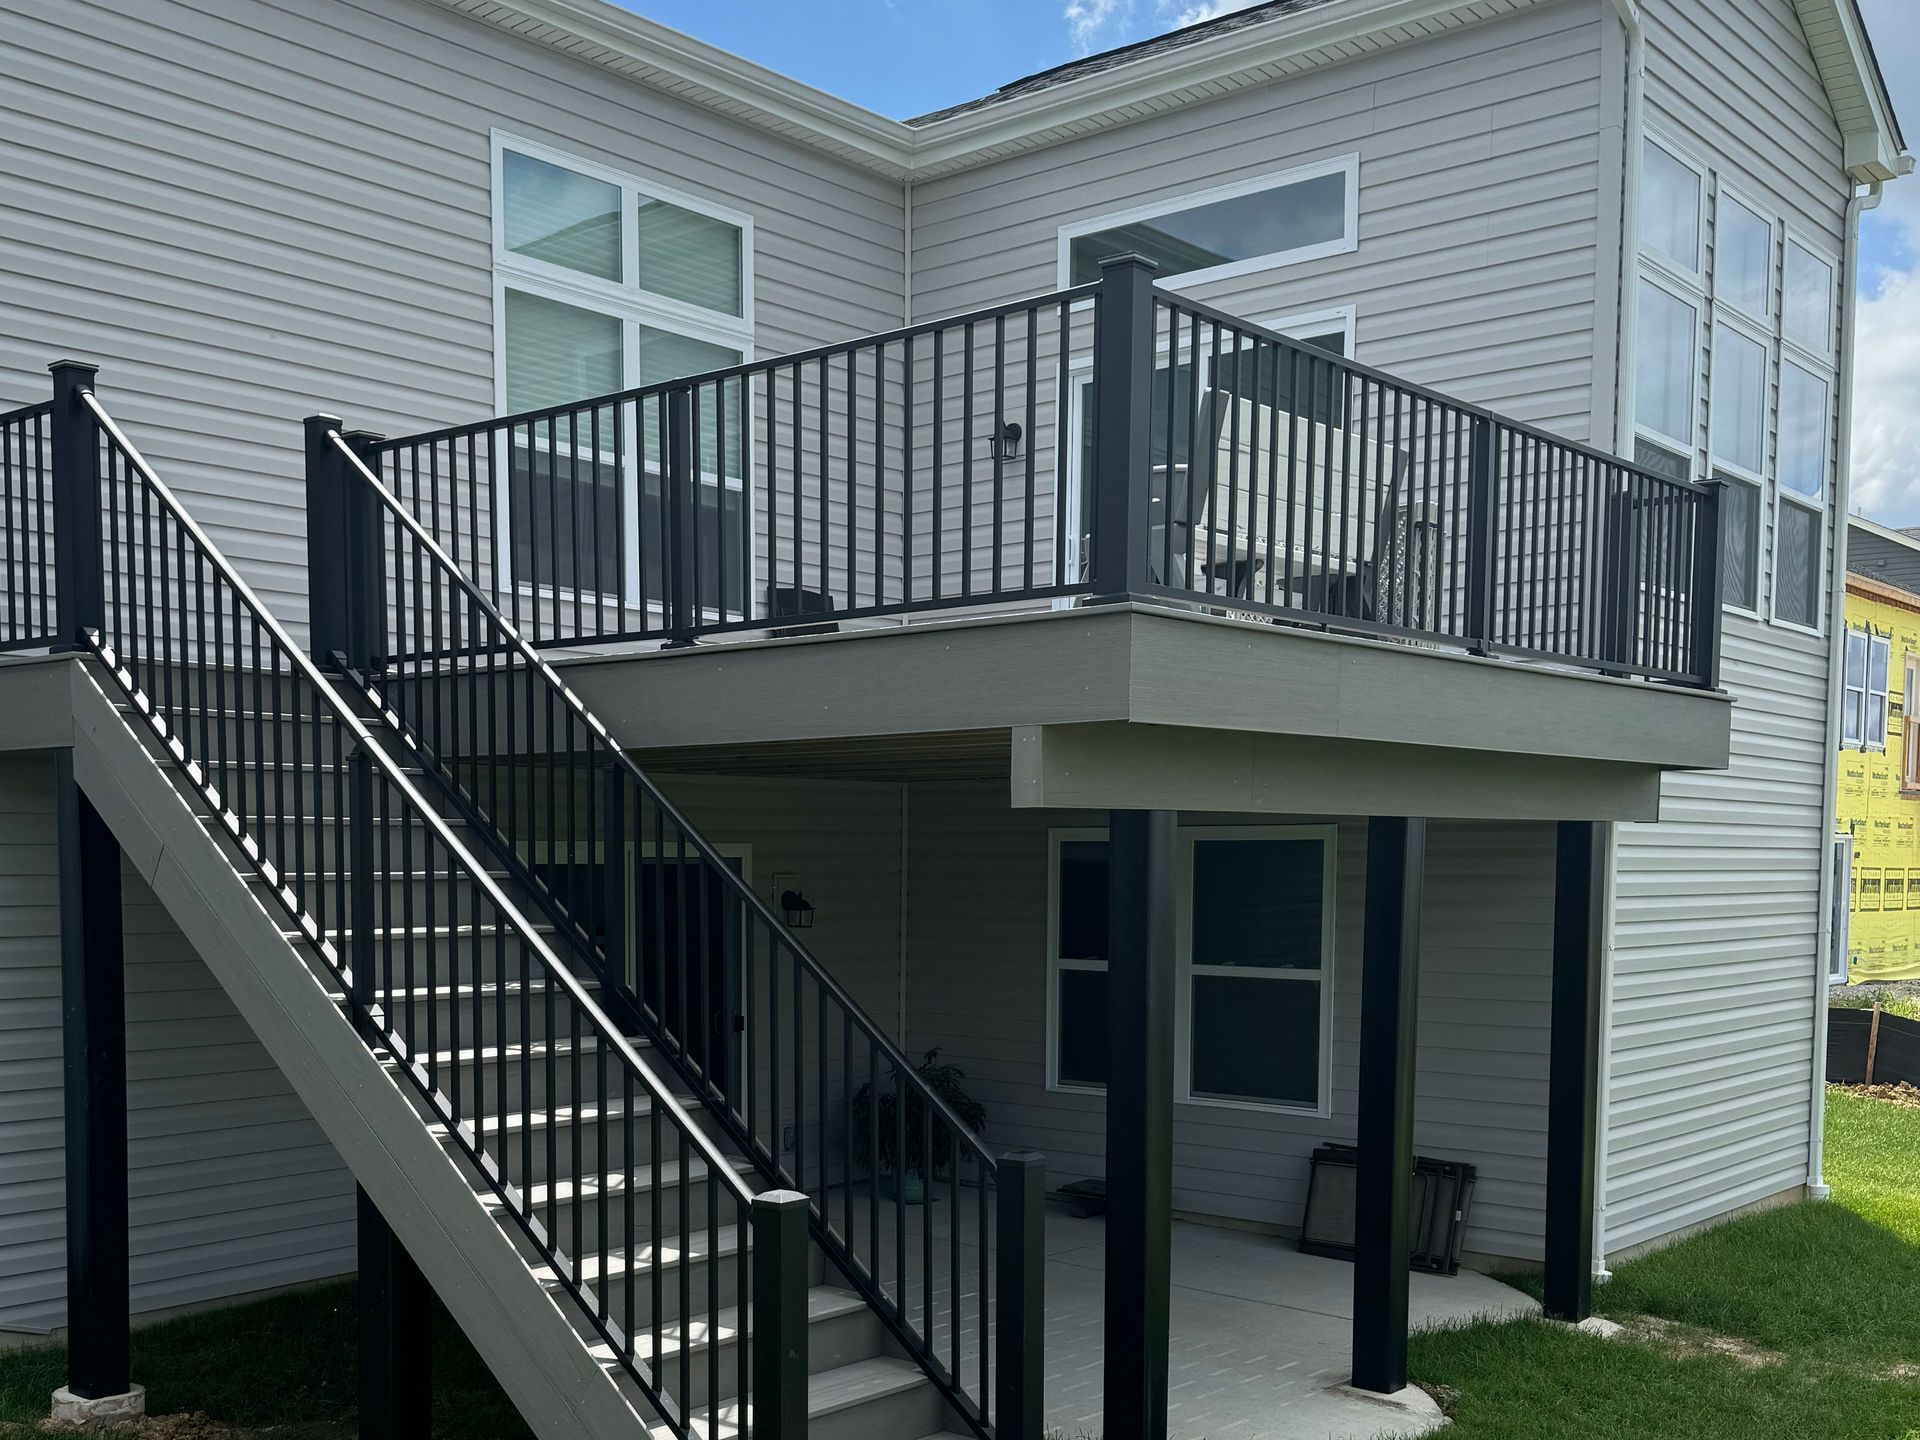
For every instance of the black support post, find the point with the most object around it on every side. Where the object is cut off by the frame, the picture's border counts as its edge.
(1123, 428)
(1020, 1256)
(1481, 512)
(779, 1345)
(683, 511)
(1708, 582)
(94, 1016)
(1574, 1067)
(1389, 1004)
(366, 557)
(78, 565)
(396, 1335)
(328, 588)
(1140, 919)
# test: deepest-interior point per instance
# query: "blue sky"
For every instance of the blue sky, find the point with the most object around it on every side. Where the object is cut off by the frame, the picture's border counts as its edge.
(905, 57)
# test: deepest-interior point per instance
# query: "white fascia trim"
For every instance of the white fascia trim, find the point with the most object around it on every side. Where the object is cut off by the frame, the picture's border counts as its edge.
(629, 44)
(1871, 133)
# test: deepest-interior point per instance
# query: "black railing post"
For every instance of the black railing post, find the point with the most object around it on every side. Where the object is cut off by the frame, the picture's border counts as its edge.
(1573, 1063)
(779, 1331)
(1481, 522)
(1123, 428)
(327, 588)
(682, 536)
(1704, 610)
(367, 558)
(364, 869)
(79, 569)
(1020, 1317)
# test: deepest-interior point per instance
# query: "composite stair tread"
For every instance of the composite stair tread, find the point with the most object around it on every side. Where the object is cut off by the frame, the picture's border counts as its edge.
(668, 1253)
(664, 1176)
(513, 1052)
(827, 1393)
(824, 1302)
(560, 1118)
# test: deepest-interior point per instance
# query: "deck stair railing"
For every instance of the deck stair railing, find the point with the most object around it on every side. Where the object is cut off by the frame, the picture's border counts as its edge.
(818, 1096)
(307, 790)
(1113, 441)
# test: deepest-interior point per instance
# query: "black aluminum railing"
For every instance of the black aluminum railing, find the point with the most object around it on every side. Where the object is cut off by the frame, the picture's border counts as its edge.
(27, 615)
(1292, 484)
(437, 964)
(818, 1097)
(1106, 442)
(895, 474)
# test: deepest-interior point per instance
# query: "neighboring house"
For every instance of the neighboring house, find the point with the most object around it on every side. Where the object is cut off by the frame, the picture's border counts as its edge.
(1877, 847)
(1169, 693)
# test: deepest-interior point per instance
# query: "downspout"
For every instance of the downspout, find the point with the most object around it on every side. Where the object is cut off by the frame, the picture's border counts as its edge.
(1857, 205)
(1633, 129)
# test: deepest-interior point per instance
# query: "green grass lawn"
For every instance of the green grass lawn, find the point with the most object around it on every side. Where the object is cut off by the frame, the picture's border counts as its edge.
(1824, 1300)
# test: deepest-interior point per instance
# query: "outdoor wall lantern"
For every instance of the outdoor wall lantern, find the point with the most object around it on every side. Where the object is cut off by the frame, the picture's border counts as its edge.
(1005, 445)
(797, 909)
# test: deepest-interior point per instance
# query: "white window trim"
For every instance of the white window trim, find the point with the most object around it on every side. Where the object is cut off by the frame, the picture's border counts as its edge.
(1853, 739)
(1820, 505)
(1697, 300)
(1055, 964)
(1732, 319)
(1877, 700)
(1765, 321)
(1695, 278)
(1349, 165)
(629, 306)
(1840, 955)
(1826, 354)
(1328, 836)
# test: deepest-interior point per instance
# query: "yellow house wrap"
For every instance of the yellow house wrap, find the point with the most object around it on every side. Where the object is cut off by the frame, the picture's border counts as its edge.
(1878, 802)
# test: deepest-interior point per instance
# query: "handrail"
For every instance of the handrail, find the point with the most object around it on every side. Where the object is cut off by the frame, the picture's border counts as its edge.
(745, 369)
(745, 893)
(1228, 321)
(658, 1092)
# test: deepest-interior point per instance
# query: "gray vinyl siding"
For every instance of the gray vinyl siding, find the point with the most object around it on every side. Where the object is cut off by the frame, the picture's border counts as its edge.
(976, 987)
(1480, 161)
(247, 211)
(1888, 561)
(233, 1189)
(1717, 908)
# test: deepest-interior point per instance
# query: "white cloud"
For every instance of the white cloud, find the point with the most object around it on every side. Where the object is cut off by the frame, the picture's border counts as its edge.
(1184, 13)
(1090, 21)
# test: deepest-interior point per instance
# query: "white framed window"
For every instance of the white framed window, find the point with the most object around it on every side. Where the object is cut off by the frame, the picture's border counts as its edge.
(1879, 661)
(1743, 246)
(1808, 283)
(1666, 376)
(1673, 209)
(1254, 1007)
(1839, 952)
(1285, 218)
(1737, 403)
(1853, 704)
(1254, 1012)
(1077, 960)
(1805, 454)
(603, 282)
(1910, 727)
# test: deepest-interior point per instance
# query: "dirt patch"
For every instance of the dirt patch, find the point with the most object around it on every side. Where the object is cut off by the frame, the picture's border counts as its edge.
(1447, 1397)
(195, 1427)
(1685, 1342)
(1902, 1094)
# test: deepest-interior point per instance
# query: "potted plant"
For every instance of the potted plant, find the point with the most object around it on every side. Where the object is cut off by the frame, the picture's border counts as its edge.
(944, 1080)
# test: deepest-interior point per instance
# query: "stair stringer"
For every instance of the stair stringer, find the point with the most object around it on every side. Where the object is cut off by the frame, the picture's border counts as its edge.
(544, 1365)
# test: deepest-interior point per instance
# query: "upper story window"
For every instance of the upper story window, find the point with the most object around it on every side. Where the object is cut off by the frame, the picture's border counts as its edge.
(1282, 219)
(606, 282)
(1672, 196)
(1743, 257)
(1808, 307)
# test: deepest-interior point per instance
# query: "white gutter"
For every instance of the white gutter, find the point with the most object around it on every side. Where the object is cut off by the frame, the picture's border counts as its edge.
(1633, 127)
(1859, 204)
